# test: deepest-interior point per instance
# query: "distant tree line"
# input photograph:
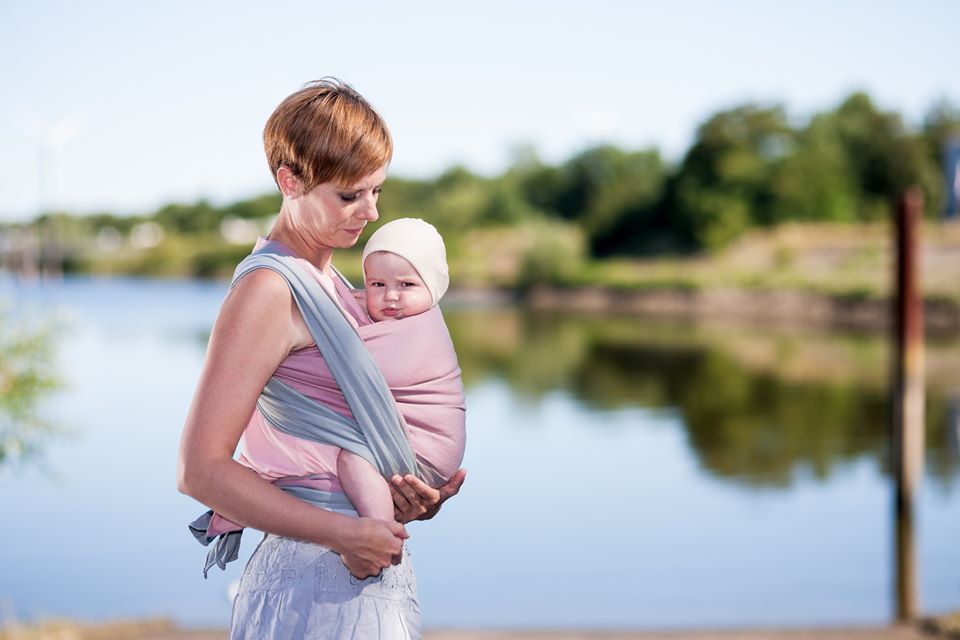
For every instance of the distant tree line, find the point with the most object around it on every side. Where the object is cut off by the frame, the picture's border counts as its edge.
(748, 166)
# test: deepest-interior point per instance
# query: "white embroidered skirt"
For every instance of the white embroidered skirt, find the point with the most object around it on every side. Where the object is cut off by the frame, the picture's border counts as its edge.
(292, 590)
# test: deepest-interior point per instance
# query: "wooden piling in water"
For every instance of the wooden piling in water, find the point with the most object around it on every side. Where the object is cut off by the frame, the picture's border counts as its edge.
(907, 398)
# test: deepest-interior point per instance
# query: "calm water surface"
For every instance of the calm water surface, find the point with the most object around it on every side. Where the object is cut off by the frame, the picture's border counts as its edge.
(622, 474)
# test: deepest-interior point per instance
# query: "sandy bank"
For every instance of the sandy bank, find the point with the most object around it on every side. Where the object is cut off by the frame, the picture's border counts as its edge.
(164, 630)
(891, 633)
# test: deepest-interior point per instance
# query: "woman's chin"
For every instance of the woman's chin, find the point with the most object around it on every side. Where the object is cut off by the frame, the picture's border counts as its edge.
(351, 236)
(347, 243)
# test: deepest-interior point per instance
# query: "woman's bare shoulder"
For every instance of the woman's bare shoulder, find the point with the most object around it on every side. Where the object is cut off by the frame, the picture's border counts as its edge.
(264, 284)
(262, 297)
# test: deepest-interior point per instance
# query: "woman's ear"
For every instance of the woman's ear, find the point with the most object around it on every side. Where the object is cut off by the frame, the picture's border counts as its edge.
(289, 184)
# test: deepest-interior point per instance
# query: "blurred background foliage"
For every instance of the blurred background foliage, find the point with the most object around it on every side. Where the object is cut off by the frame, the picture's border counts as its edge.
(748, 167)
(27, 375)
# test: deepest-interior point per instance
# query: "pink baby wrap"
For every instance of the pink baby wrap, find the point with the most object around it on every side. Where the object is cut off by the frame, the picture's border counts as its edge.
(417, 359)
(419, 364)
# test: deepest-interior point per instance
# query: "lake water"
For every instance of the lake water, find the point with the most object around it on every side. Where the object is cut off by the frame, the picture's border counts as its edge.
(622, 473)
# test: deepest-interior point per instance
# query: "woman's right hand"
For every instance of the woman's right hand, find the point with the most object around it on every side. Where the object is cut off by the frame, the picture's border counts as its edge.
(370, 546)
(414, 499)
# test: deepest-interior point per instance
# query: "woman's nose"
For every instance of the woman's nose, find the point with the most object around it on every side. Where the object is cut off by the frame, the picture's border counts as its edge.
(368, 211)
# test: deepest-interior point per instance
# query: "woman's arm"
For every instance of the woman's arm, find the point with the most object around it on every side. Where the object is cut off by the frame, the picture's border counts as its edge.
(257, 328)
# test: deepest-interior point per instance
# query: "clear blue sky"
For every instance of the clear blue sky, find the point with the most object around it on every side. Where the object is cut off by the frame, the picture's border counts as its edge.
(166, 101)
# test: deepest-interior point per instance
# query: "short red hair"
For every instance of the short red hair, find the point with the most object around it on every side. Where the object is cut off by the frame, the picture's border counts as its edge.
(326, 132)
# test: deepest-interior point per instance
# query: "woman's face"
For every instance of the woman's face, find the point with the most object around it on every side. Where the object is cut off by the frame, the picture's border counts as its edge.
(394, 288)
(333, 215)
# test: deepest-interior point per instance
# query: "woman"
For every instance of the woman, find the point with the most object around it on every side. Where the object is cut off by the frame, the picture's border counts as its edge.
(328, 151)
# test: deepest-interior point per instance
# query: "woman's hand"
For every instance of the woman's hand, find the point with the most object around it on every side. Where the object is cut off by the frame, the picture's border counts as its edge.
(413, 499)
(371, 546)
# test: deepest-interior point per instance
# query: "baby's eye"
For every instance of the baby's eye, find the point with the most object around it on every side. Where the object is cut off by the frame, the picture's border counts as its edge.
(409, 284)
(375, 284)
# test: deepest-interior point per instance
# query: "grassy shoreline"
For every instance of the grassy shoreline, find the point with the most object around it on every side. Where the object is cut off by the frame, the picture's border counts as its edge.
(822, 274)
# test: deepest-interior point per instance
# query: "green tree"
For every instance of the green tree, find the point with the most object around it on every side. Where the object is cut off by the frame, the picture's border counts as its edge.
(815, 181)
(724, 184)
(884, 159)
(600, 189)
(190, 218)
(255, 208)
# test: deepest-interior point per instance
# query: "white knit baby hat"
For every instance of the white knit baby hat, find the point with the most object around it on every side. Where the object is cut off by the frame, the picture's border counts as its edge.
(420, 244)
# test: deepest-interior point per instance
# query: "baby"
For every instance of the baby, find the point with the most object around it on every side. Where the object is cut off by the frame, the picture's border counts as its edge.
(404, 276)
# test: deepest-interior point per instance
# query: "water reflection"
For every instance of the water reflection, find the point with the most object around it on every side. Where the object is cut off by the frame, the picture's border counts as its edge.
(728, 430)
(760, 407)
(27, 376)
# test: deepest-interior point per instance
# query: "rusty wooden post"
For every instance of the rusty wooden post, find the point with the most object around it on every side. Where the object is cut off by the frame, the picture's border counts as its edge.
(907, 397)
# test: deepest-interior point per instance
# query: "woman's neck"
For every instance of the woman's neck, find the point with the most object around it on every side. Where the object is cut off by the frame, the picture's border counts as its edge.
(283, 232)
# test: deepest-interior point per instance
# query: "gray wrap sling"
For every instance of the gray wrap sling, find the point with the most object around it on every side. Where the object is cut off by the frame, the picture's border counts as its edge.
(376, 430)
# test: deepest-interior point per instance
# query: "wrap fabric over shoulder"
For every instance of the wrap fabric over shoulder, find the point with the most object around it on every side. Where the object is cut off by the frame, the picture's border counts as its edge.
(376, 431)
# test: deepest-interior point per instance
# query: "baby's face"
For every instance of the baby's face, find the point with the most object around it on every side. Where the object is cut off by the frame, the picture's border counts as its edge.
(394, 288)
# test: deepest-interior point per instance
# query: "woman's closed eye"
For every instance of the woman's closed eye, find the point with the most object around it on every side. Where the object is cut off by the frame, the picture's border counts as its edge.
(351, 196)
